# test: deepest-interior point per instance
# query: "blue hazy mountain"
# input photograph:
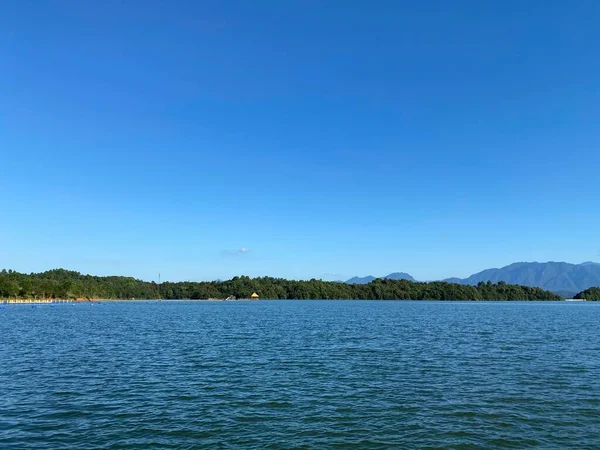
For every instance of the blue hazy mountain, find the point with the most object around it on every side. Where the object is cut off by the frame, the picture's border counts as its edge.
(560, 277)
(391, 276)
(553, 276)
(360, 280)
(454, 280)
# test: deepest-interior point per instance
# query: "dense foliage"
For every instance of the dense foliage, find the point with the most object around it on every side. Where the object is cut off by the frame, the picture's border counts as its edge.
(592, 293)
(64, 284)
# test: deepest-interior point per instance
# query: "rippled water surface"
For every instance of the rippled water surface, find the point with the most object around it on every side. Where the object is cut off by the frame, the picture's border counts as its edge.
(300, 374)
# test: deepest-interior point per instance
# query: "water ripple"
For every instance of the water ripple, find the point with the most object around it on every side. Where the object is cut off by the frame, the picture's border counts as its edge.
(364, 375)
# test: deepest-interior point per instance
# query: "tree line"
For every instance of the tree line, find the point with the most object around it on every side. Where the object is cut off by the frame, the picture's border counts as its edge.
(592, 293)
(65, 284)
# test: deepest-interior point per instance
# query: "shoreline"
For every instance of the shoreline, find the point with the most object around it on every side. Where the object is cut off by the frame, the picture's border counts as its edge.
(108, 300)
(215, 300)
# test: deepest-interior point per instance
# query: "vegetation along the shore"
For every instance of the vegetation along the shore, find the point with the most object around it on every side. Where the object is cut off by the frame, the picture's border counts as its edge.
(592, 293)
(65, 284)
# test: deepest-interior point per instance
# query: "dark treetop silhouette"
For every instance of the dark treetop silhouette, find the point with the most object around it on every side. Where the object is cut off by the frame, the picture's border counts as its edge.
(63, 284)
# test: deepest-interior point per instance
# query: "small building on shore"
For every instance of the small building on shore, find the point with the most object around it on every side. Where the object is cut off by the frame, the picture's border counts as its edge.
(254, 296)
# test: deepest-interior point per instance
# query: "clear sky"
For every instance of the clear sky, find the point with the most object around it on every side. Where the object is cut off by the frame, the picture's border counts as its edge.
(326, 139)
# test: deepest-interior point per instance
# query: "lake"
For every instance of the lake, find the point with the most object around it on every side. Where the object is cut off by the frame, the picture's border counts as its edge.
(300, 374)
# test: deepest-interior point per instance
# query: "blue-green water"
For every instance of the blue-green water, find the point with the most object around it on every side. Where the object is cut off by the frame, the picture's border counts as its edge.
(300, 374)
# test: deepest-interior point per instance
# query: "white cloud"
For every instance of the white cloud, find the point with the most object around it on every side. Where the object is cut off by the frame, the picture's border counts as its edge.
(239, 252)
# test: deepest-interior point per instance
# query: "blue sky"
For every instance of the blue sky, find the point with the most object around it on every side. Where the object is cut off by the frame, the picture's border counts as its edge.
(298, 139)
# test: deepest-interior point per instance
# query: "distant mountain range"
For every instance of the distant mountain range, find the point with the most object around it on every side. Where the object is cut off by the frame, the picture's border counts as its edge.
(553, 276)
(391, 276)
(560, 277)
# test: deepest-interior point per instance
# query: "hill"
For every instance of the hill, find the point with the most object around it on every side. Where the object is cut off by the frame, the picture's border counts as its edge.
(391, 276)
(361, 280)
(589, 294)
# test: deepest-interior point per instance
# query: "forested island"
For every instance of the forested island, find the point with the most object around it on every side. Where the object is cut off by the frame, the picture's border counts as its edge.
(589, 294)
(65, 284)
